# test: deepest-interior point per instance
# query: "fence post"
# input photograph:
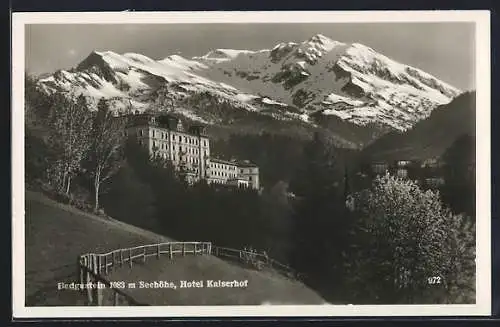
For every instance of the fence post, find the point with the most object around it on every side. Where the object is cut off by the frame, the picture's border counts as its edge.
(106, 264)
(130, 257)
(183, 249)
(195, 248)
(90, 280)
(144, 255)
(158, 251)
(92, 277)
(121, 257)
(170, 251)
(99, 295)
(97, 263)
(101, 259)
(79, 268)
(115, 299)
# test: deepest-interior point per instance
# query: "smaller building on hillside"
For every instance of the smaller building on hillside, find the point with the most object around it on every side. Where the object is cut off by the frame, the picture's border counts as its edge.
(249, 171)
(379, 167)
(433, 182)
(219, 171)
(233, 172)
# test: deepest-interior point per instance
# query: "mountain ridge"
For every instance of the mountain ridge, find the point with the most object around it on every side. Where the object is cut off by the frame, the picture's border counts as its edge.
(318, 83)
(429, 138)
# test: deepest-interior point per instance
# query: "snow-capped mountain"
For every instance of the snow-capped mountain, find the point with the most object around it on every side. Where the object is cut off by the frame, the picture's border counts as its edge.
(350, 81)
(304, 84)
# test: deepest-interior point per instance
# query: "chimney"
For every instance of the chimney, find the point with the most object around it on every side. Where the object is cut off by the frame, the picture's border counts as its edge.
(179, 126)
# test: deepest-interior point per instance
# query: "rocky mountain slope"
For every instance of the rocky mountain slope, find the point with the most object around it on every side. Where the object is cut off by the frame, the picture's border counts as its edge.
(349, 90)
(350, 81)
(431, 137)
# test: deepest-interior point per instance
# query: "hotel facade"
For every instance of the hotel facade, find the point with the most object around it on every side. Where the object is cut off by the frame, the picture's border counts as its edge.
(189, 151)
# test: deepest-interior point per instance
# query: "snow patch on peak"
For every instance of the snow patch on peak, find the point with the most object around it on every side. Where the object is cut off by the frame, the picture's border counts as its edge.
(272, 102)
(231, 53)
(361, 46)
(221, 55)
(138, 57)
(322, 43)
(114, 60)
(182, 63)
(284, 45)
(320, 38)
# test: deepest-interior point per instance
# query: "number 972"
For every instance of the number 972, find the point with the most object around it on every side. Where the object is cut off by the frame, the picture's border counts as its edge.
(434, 280)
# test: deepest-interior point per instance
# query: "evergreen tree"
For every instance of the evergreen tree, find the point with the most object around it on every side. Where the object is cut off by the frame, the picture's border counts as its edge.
(320, 226)
(459, 189)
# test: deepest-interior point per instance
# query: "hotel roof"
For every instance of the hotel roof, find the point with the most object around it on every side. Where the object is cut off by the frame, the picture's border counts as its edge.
(244, 163)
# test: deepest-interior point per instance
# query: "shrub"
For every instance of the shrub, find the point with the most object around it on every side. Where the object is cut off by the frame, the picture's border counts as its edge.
(405, 238)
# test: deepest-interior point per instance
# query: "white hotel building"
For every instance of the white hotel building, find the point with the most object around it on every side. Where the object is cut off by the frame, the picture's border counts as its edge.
(189, 151)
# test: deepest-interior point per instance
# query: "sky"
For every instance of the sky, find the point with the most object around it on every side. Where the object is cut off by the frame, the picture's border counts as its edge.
(445, 50)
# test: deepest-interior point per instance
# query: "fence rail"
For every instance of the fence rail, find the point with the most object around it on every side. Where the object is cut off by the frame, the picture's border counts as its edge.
(92, 268)
(254, 259)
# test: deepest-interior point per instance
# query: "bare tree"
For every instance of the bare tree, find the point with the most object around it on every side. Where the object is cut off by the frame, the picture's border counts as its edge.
(69, 131)
(106, 155)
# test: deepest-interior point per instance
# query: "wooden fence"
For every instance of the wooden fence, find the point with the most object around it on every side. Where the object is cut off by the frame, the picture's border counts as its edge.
(92, 268)
(254, 259)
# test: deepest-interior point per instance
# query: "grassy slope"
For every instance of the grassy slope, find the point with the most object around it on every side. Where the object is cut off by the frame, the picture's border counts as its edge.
(56, 234)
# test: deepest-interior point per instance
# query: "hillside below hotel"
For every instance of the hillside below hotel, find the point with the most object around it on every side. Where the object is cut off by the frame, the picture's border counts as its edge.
(189, 151)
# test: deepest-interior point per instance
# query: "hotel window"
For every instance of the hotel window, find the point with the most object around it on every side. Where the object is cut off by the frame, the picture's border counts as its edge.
(180, 138)
(153, 133)
(141, 133)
